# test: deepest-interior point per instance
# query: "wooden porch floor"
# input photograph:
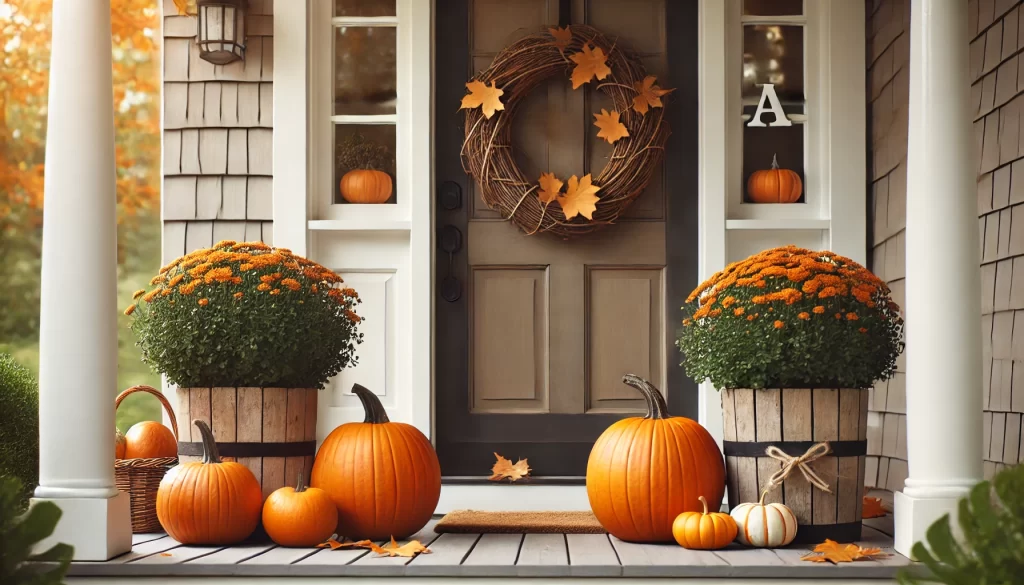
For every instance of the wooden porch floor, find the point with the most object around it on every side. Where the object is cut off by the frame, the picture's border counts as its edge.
(494, 555)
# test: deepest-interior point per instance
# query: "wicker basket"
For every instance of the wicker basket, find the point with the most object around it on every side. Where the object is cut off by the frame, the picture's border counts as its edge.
(141, 477)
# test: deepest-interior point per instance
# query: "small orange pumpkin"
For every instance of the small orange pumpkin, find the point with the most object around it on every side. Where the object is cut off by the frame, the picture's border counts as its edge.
(149, 439)
(299, 516)
(383, 476)
(366, 186)
(209, 501)
(120, 444)
(643, 472)
(774, 185)
(704, 531)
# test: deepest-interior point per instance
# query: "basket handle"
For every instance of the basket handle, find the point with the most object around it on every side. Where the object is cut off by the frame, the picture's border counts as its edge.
(159, 395)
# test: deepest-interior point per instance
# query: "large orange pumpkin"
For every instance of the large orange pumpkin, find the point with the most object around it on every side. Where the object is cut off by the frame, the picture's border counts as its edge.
(644, 472)
(299, 516)
(383, 476)
(774, 185)
(149, 439)
(366, 186)
(209, 501)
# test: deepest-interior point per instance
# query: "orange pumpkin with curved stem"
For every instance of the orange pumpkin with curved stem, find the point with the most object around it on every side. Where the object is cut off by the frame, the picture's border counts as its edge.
(209, 501)
(704, 530)
(643, 472)
(299, 516)
(774, 185)
(383, 476)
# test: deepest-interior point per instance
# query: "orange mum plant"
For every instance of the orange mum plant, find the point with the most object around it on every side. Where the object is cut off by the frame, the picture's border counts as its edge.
(792, 318)
(246, 314)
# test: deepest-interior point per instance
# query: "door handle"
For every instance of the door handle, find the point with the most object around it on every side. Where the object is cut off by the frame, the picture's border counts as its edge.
(450, 240)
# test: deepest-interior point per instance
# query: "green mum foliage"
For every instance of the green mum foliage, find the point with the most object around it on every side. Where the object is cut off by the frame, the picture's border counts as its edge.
(19, 429)
(246, 314)
(992, 551)
(791, 318)
(20, 530)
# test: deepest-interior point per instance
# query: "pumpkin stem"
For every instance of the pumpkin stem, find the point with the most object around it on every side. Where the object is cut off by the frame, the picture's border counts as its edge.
(300, 485)
(210, 452)
(371, 405)
(764, 493)
(775, 162)
(657, 408)
(705, 502)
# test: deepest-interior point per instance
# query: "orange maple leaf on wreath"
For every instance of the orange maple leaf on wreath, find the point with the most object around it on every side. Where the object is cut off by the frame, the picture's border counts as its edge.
(504, 469)
(580, 198)
(484, 97)
(563, 36)
(831, 551)
(873, 508)
(590, 63)
(648, 94)
(611, 128)
(409, 549)
(550, 186)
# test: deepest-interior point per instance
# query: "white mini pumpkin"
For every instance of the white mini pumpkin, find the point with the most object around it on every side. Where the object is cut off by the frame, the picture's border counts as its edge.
(764, 525)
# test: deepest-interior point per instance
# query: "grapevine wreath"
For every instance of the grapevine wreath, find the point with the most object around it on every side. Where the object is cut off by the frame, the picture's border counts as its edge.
(635, 128)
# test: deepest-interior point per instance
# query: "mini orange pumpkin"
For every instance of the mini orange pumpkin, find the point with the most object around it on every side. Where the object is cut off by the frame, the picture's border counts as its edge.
(774, 185)
(704, 531)
(383, 476)
(120, 444)
(149, 439)
(299, 516)
(643, 472)
(366, 186)
(209, 501)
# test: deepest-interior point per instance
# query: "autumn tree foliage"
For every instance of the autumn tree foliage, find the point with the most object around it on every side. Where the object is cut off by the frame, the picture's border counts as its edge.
(25, 36)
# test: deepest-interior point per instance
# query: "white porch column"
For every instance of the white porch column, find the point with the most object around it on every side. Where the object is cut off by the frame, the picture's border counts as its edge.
(78, 336)
(943, 302)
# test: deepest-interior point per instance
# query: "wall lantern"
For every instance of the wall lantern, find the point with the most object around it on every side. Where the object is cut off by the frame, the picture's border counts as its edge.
(221, 32)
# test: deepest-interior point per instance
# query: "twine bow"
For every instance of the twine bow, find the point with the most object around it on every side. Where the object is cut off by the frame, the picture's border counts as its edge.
(789, 463)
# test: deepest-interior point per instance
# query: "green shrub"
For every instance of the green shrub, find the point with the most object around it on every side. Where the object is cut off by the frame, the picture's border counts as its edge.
(19, 533)
(246, 315)
(791, 318)
(19, 423)
(992, 521)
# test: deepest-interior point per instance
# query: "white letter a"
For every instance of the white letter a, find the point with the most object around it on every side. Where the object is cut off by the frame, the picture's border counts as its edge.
(768, 92)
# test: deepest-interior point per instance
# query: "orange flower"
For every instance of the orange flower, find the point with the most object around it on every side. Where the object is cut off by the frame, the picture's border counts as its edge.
(173, 282)
(263, 286)
(129, 310)
(222, 274)
(188, 287)
(715, 312)
(199, 270)
(138, 293)
(779, 324)
(839, 316)
(804, 315)
(828, 291)
(167, 292)
(739, 311)
(238, 295)
(851, 316)
(246, 267)
(818, 310)
(751, 317)
(798, 274)
(204, 301)
(314, 289)
(148, 297)
(270, 278)
(863, 330)
(687, 322)
(291, 284)
(350, 292)
(276, 291)
(224, 243)
(811, 286)
(159, 278)
(728, 302)
(352, 316)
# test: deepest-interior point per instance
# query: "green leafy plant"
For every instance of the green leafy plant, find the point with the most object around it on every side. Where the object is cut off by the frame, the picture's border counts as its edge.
(20, 531)
(19, 431)
(791, 318)
(356, 152)
(992, 553)
(246, 314)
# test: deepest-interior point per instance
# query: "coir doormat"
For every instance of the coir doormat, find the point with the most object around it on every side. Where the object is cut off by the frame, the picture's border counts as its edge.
(476, 522)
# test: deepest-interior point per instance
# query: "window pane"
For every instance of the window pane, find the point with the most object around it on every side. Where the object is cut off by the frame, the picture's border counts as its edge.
(364, 147)
(773, 7)
(364, 7)
(773, 54)
(785, 143)
(364, 70)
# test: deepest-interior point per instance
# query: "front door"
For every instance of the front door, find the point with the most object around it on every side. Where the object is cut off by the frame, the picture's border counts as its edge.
(533, 333)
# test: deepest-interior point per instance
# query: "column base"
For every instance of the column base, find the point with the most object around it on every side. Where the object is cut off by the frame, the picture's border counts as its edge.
(913, 516)
(98, 528)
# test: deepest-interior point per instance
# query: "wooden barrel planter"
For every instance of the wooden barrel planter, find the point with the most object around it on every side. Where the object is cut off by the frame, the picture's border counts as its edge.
(272, 431)
(794, 420)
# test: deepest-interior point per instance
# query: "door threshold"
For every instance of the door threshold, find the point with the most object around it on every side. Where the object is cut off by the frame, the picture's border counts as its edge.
(506, 497)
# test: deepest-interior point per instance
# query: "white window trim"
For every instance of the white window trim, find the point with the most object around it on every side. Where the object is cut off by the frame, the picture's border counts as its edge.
(300, 217)
(835, 144)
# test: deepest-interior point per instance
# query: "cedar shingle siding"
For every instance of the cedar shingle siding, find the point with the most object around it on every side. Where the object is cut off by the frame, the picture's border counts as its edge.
(217, 130)
(997, 35)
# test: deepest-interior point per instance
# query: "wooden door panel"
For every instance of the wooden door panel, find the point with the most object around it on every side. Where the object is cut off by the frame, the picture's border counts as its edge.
(509, 341)
(497, 23)
(641, 23)
(625, 312)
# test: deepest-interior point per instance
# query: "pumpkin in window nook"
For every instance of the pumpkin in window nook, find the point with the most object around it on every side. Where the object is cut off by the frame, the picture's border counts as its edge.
(774, 185)
(364, 181)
